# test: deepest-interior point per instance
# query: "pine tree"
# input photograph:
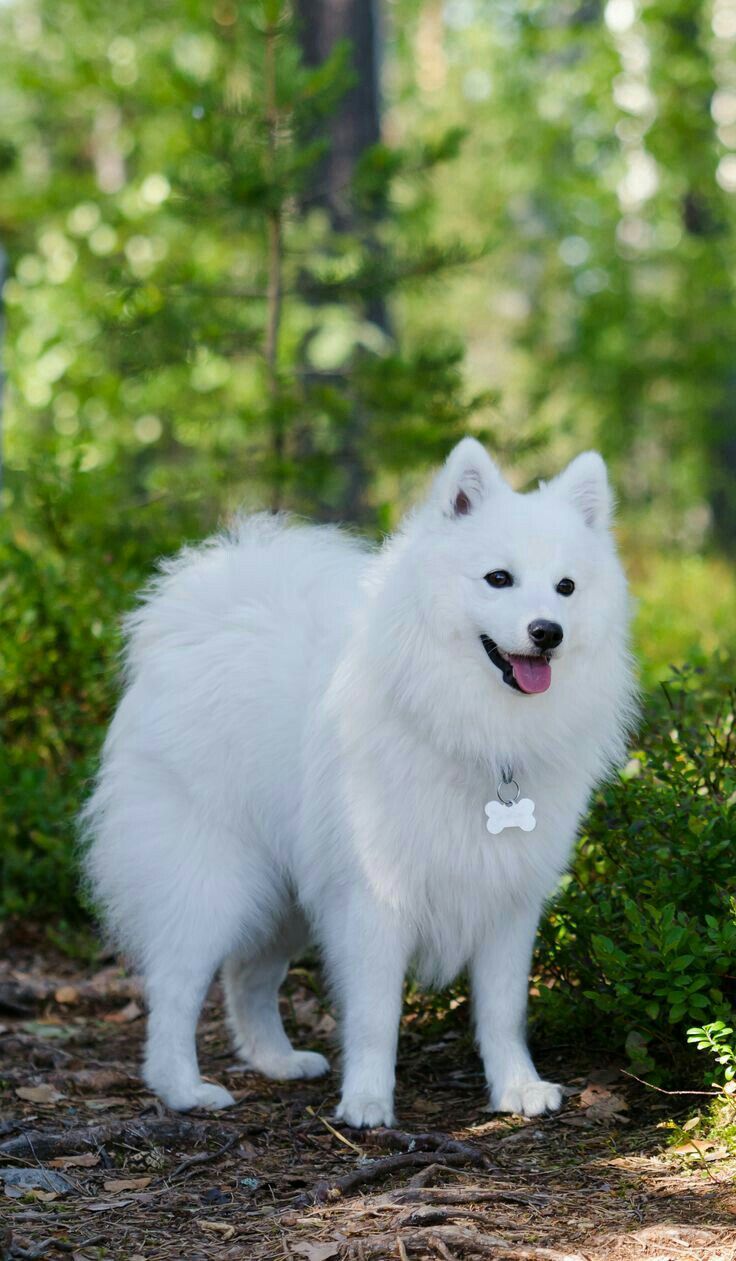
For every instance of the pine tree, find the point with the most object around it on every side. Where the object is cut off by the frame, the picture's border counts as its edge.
(203, 325)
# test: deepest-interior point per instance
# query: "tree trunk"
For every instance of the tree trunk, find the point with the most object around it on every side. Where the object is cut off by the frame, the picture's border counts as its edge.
(352, 128)
(356, 124)
(723, 468)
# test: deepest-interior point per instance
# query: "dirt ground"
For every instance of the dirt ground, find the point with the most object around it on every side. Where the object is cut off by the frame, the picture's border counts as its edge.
(92, 1166)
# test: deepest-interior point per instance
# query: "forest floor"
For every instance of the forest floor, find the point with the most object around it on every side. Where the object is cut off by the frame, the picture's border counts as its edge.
(109, 1173)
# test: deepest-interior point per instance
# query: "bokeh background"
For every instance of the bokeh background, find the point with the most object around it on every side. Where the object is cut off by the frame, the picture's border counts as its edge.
(284, 255)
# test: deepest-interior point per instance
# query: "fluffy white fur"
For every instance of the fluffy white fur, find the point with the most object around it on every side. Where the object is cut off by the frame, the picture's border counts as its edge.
(309, 734)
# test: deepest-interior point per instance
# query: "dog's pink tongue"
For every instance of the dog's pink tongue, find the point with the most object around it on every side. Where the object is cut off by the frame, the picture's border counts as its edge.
(533, 674)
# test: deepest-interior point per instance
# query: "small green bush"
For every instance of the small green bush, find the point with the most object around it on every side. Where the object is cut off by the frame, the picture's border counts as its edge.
(57, 637)
(640, 944)
(716, 1038)
(70, 563)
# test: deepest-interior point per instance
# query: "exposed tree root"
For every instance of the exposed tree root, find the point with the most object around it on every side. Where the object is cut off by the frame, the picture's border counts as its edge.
(385, 1246)
(429, 1141)
(373, 1170)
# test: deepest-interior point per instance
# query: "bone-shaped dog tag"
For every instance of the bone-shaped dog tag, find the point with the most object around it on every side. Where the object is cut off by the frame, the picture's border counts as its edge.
(517, 814)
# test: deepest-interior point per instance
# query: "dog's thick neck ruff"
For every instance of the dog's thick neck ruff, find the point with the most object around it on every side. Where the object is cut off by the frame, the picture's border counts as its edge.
(526, 674)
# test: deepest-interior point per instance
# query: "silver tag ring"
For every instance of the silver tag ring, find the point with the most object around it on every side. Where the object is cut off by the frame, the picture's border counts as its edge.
(510, 784)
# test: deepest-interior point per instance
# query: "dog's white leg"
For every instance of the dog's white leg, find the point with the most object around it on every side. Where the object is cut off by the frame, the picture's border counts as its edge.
(368, 959)
(176, 988)
(500, 981)
(192, 923)
(252, 998)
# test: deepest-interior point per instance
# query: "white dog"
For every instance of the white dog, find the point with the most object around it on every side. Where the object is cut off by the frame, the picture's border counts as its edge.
(309, 737)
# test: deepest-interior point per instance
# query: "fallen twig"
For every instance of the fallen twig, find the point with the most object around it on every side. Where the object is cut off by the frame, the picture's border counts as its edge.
(42, 1249)
(425, 1177)
(40, 1145)
(374, 1170)
(463, 1195)
(436, 1215)
(342, 1137)
(429, 1141)
(203, 1158)
(662, 1091)
(19, 996)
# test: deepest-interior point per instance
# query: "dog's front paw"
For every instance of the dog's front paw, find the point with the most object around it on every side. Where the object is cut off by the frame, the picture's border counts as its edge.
(364, 1112)
(527, 1098)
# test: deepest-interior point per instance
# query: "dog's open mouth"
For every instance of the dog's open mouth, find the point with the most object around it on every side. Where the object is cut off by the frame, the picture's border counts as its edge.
(526, 674)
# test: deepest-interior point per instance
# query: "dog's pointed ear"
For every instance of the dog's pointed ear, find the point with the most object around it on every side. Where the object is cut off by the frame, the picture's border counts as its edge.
(468, 477)
(584, 483)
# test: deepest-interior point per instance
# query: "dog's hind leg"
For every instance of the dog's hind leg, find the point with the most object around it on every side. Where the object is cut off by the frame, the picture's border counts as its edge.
(251, 984)
(196, 930)
(191, 922)
(176, 989)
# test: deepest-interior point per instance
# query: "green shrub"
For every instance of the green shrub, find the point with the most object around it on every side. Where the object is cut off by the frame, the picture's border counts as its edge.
(57, 646)
(640, 942)
(69, 565)
(716, 1038)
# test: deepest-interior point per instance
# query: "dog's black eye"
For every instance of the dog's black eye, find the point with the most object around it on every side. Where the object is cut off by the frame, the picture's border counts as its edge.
(499, 578)
(566, 586)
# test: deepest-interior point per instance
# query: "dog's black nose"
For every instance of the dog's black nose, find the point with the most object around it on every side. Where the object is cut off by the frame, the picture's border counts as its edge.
(545, 635)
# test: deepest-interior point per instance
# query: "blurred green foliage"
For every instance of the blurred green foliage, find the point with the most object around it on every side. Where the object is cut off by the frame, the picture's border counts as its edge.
(158, 193)
(600, 153)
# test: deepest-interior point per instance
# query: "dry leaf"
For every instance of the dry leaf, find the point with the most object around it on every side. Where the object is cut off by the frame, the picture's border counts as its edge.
(705, 1147)
(326, 1026)
(111, 981)
(87, 1160)
(131, 1011)
(219, 1228)
(426, 1107)
(604, 1076)
(126, 1184)
(67, 995)
(39, 1094)
(602, 1104)
(306, 1009)
(98, 1079)
(315, 1251)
